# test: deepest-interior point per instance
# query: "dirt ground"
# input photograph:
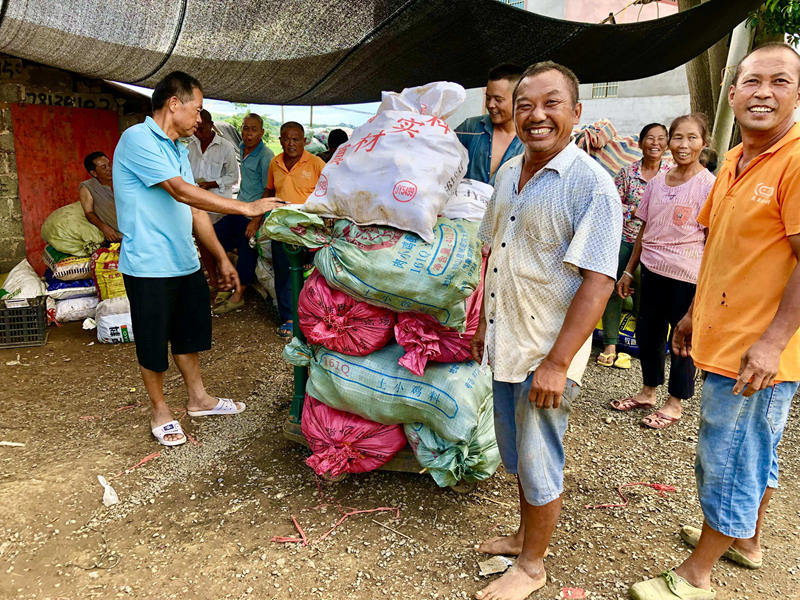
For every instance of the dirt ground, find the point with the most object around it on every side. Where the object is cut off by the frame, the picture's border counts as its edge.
(197, 521)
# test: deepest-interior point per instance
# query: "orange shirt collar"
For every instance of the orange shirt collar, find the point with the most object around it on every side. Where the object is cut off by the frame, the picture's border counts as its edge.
(793, 134)
(304, 157)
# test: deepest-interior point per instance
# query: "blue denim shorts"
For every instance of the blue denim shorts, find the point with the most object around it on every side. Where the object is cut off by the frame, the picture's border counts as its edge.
(530, 439)
(737, 456)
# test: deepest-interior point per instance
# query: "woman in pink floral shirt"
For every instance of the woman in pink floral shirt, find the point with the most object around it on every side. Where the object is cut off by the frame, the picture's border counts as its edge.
(631, 181)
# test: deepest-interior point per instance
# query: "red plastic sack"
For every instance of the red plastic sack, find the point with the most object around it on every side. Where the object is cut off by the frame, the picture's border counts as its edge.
(424, 338)
(346, 443)
(341, 323)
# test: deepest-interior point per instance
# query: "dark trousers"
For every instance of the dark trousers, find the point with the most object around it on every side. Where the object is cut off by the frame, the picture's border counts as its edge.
(664, 302)
(230, 232)
(283, 285)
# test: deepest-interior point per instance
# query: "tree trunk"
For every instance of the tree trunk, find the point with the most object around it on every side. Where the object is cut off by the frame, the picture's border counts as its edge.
(717, 56)
(698, 76)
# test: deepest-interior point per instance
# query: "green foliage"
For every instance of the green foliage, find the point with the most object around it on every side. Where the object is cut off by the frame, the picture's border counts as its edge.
(776, 18)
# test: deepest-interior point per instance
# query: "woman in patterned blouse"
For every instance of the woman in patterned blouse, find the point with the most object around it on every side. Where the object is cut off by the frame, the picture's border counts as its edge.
(631, 181)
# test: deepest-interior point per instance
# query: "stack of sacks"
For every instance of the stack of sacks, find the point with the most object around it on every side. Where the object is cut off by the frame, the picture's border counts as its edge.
(113, 318)
(69, 284)
(387, 258)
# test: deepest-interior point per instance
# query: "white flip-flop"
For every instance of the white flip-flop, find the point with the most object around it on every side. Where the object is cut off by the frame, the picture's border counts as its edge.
(171, 428)
(225, 406)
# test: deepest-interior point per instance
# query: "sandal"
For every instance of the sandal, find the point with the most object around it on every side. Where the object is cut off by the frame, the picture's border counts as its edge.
(222, 296)
(227, 306)
(285, 330)
(171, 428)
(628, 403)
(623, 361)
(225, 406)
(691, 535)
(659, 420)
(669, 586)
(606, 359)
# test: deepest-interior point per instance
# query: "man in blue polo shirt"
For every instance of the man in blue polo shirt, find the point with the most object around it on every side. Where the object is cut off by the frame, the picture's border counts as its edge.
(235, 231)
(158, 207)
(491, 139)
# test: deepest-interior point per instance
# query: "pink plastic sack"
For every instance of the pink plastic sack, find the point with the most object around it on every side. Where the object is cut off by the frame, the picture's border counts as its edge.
(346, 443)
(424, 338)
(341, 323)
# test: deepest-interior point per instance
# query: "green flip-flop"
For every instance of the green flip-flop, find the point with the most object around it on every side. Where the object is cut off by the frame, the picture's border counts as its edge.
(669, 586)
(691, 535)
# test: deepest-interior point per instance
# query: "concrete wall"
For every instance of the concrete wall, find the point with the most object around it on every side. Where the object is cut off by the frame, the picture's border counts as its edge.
(20, 82)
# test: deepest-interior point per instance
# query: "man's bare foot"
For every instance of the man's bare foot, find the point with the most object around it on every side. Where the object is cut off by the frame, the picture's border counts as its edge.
(502, 544)
(206, 402)
(516, 584)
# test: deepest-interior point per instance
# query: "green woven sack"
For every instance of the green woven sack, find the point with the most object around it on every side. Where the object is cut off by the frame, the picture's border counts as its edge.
(388, 267)
(447, 398)
(451, 462)
(67, 230)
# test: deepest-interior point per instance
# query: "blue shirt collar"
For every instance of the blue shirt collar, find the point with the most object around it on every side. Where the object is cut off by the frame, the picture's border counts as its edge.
(486, 121)
(256, 151)
(155, 128)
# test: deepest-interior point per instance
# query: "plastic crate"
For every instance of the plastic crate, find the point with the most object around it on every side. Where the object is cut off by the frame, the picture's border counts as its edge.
(25, 325)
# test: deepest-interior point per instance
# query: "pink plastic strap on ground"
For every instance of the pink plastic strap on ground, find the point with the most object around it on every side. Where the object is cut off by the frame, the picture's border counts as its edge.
(146, 459)
(661, 488)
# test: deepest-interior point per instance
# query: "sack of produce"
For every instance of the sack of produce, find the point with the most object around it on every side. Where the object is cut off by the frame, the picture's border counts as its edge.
(67, 230)
(59, 289)
(75, 309)
(105, 269)
(387, 267)
(341, 323)
(424, 339)
(66, 267)
(450, 462)
(399, 168)
(22, 282)
(447, 398)
(469, 201)
(113, 317)
(265, 273)
(345, 443)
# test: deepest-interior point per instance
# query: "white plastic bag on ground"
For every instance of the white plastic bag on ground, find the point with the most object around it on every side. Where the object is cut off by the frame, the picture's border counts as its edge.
(22, 282)
(113, 319)
(470, 201)
(399, 168)
(75, 309)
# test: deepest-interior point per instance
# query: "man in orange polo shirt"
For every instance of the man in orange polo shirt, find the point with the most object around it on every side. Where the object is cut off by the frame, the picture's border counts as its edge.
(293, 174)
(743, 327)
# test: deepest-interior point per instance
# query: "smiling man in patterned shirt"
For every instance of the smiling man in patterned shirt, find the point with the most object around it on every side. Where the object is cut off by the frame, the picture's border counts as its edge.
(553, 227)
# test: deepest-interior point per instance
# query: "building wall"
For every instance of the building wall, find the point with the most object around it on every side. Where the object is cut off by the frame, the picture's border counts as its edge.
(25, 82)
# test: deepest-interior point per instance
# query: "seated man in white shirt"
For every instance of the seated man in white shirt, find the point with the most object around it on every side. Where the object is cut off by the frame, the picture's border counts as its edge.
(215, 168)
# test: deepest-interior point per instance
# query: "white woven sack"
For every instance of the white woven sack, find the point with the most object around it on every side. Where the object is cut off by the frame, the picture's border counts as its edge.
(401, 167)
(470, 201)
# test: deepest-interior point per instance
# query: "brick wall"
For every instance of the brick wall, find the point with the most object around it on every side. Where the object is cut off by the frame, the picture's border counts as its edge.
(22, 81)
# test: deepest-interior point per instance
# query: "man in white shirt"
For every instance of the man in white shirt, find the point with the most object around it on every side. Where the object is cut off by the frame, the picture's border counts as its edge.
(213, 159)
(553, 227)
(214, 168)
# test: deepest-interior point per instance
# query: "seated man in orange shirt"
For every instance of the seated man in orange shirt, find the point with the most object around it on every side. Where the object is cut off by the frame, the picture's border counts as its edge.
(292, 177)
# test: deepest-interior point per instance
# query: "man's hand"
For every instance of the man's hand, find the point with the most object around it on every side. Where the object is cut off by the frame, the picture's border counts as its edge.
(478, 341)
(263, 206)
(110, 234)
(227, 276)
(208, 185)
(624, 288)
(547, 385)
(252, 227)
(682, 338)
(758, 367)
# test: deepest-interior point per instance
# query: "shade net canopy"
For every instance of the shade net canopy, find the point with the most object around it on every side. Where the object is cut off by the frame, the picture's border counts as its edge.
(335, 52)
